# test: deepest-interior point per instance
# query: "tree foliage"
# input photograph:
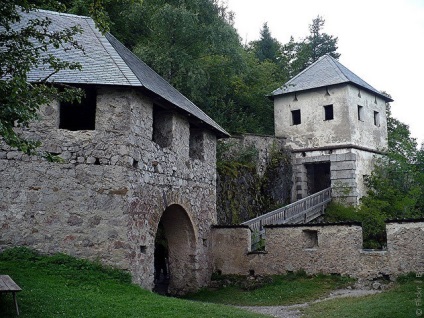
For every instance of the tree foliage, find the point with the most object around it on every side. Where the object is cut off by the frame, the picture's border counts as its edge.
(395, 187)
(397, 180)
(300, 55)
(267, 47)
(192, 44)
(25, 49)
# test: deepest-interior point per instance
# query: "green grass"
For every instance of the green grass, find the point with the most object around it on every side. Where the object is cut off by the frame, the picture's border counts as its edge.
(62, 286)
(397, 302)
(283, 290)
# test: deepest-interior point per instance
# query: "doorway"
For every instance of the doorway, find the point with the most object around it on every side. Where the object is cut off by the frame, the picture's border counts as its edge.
(175, 251)
(318, 176)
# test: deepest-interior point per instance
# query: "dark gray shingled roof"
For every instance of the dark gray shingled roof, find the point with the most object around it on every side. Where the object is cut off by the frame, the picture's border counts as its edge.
(327, 71)
(106, 61)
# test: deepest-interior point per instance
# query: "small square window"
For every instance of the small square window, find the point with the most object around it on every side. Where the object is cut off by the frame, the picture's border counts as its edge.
(79, 116)
(296, 119)
(310, 238)
(328, 112)
(376, 118)
(360, 113)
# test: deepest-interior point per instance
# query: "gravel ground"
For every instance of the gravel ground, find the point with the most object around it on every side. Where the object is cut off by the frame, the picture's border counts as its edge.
(293, 311)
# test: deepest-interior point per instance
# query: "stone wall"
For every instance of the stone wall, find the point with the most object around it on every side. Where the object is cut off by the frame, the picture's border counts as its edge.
(345, 128)
(105, 200)
(254, 177)
(263, 144)
(325, 248)
(348, 167)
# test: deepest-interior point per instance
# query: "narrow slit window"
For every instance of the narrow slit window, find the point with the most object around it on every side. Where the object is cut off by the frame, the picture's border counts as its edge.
(296, 119)
(328, 112)
(79, 116)
(196, 143)
(360, 113)
(376, 118)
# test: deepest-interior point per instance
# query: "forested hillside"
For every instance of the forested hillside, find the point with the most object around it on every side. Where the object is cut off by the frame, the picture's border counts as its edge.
(193, 44)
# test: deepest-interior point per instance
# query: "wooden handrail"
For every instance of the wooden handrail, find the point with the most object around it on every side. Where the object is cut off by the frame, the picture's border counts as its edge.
(301, 211)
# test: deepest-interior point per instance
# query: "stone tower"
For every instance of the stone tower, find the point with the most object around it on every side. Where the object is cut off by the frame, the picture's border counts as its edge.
(335, 124)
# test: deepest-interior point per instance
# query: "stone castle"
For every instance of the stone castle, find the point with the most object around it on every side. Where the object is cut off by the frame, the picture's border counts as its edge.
(139, 158)
(136, 153)
(335, 123)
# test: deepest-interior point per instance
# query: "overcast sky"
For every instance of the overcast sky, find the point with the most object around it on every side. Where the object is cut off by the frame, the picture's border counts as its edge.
(382, 41)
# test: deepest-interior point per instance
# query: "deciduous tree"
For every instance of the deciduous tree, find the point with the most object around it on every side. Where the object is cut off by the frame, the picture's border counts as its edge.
(23, 49)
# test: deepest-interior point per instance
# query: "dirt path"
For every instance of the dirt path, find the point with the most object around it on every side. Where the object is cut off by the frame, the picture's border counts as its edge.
(293, 311)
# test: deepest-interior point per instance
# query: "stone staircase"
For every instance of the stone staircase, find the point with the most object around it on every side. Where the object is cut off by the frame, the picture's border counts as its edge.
(302, 211)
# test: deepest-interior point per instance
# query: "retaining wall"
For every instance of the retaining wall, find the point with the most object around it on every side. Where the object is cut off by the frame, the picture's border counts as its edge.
(321, 248)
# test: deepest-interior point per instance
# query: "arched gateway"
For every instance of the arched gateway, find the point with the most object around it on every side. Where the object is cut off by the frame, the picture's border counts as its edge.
(175, 241)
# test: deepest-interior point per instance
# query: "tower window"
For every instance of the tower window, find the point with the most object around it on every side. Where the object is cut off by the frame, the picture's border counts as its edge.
(376, 118)
(79, 116)
(196, 150)
(360, 113)
(296, 119)
(162, 127)
(328, 112)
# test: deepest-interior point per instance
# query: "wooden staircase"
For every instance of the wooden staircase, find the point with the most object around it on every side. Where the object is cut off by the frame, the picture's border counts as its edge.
(301, 211)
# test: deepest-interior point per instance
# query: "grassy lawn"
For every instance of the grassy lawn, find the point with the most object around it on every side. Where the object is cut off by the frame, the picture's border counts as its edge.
(397, 302)
(283, 290)
(61, 286)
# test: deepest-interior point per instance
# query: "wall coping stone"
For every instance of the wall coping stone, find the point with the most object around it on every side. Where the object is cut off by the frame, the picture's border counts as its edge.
(256, 252)
(238, 226)
(257, 135)
(375, 252)
(313, 225)
(417, 220)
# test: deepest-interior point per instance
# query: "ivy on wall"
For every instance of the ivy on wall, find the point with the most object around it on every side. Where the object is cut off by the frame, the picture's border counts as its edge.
(242, 193)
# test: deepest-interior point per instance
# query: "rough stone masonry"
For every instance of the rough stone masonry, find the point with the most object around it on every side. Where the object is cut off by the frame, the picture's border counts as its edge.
(105, 200)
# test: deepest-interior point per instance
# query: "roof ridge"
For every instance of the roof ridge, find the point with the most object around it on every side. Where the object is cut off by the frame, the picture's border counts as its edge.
(63, 14)
(340, 66)
(326, 73)
(161, 78)
(337, 65)
(107, 50)
(299, 74)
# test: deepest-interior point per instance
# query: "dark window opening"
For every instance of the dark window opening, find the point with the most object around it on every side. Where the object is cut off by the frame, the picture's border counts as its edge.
(310, 238)
(162, 127)
(318, 176)
(135, 164)
(376, 119)
(196, 147)
(360, 113)
(79, 116)
(328, 112)
(296, 119)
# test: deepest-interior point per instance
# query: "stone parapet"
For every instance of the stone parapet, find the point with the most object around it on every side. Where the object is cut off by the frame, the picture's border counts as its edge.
(322, 248)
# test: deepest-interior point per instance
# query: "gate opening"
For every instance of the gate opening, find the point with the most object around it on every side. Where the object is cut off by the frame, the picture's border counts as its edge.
(175, 260)
(318, 176)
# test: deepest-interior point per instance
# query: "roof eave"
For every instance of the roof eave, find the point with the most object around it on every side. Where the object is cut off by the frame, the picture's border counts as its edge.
(384, 97)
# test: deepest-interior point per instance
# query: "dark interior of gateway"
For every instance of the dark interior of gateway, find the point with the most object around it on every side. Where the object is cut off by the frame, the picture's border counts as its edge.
(318, 176)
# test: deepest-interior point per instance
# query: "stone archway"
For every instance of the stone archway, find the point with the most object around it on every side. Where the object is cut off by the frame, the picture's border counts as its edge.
(181, 250)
